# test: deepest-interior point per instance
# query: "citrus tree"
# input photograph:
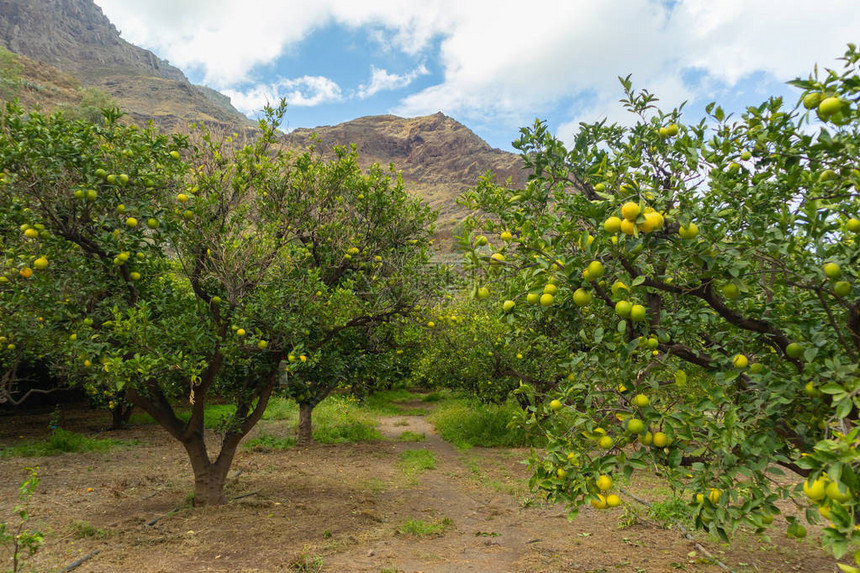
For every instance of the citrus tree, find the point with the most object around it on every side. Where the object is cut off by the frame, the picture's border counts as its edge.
(467, 346)
(365, 241)
(180, 269)
(698, 280)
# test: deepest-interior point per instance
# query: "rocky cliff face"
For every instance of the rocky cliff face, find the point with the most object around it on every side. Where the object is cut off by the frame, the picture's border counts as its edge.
(438, 157)
(75, 37)
(63, 42)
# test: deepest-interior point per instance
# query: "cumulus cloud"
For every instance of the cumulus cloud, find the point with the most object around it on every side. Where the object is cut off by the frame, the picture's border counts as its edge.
(222, 39)
(506, 60)
(381, 80)
(303, 92)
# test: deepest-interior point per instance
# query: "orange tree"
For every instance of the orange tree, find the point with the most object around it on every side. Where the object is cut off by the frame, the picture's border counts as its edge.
(194, 277)
(704, 303)
(365, 241)
(466, 346)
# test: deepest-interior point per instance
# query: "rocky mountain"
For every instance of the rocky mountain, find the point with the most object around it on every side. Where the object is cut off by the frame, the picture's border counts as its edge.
(67, 50)
(437, 156)
(76, 38)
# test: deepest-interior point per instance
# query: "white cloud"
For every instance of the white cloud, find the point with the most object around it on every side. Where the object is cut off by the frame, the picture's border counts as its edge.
(506, 60)
(381, 80)
(305, 91)
(224, 39)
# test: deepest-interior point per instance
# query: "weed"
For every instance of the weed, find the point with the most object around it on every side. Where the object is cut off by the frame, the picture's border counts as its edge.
(141, 418)
(62, 441)
(416, 461)
(335, 420)
(408, 436)
(338, 420)
(16, 539)
(281, 409)
(466, 423)
(269, 443)
(307, 563)
(666, 513)
(81, 529)
(421, 528)
(383, 403)
(434, 397)
(214, 416)
(628, 517)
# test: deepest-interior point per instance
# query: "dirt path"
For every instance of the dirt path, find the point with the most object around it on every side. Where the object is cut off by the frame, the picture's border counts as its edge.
(494, 531)
(342, 508)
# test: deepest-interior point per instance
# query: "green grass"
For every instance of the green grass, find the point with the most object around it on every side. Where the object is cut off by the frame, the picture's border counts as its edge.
(140, 418)
(81, 529)
(307, 563)
(336, 419)
(409, 436)
(382, 403)
(667, 512)
(413, 462)
(467, 423)
(61, 442)
(339, 420)
(269, 443)
(422, 528)
(280, 408)
(213, 415)
(435, 397)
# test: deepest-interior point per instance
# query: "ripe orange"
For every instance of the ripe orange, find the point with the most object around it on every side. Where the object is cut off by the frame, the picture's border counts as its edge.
(630, 211)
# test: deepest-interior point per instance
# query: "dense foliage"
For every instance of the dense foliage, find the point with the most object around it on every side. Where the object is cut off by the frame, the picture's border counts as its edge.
(160, 270)
(696, 284)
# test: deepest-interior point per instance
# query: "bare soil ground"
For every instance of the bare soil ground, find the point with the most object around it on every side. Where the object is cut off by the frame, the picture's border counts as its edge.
(343, 508)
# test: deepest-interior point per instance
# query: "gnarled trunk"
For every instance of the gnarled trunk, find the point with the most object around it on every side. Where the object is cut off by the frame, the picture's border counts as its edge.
(209, 476)
(306, 436)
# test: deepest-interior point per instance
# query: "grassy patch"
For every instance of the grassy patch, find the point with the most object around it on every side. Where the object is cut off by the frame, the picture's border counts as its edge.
(435, 397)
(466, 423)
(409, 436)
(140, 418)
(414, 462)
(61, 442)
(383, 403)
(335, 420)
(269, 443)
(281, 409)
(213, 415)
(307, 563)
(338, 420)
(81, 529)
(667, 513)
(422, 528)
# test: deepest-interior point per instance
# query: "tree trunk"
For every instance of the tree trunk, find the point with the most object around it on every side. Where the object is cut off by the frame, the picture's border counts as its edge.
(120, 416)
(209, 477)
(306, 436)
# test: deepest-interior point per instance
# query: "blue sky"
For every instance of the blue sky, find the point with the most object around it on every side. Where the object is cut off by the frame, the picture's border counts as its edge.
(493, 65)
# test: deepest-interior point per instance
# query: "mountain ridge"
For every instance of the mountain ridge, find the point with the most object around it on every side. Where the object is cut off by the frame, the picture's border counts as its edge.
(67, 47)
(75, 37)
